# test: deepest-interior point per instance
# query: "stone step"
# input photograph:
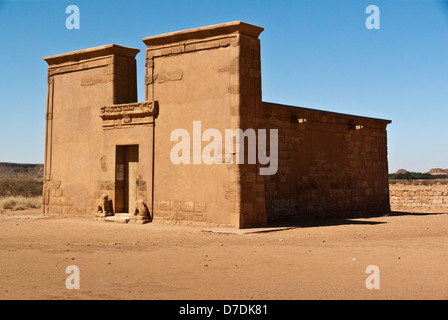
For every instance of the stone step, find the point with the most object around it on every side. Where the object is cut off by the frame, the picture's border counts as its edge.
(123, 215)
(118, 219)
(125, 218)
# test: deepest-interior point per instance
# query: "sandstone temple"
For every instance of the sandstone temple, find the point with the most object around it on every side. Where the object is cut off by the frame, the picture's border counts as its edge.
(108, 155)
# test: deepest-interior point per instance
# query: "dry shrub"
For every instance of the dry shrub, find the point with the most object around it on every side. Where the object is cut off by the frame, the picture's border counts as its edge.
(20, 203)
(9, 203)
(20, 186)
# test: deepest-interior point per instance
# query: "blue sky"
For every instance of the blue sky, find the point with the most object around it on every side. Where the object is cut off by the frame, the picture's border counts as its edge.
(317, 54)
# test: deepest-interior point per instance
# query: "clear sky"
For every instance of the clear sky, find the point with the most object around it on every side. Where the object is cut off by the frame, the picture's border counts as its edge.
(315, 53)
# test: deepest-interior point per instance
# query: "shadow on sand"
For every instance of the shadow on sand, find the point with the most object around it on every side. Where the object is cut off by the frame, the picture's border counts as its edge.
(310, 222)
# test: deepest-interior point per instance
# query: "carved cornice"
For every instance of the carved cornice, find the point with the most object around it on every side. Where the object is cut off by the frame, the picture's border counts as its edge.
(91, 53)
(129, 114)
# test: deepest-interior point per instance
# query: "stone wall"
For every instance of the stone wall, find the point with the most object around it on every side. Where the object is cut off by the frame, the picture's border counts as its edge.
(79, 156)
(212, 75)
(330, 164)
(178, 210)
(425, 196)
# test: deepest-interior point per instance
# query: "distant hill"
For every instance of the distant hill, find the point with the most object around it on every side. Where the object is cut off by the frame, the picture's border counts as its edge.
(438, 171)
(403, 174)
(34, 171)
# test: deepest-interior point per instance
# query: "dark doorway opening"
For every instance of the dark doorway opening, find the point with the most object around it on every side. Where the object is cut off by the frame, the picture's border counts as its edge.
(126, 176)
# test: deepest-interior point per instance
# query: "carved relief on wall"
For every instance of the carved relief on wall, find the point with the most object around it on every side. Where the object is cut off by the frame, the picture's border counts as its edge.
(130, 114)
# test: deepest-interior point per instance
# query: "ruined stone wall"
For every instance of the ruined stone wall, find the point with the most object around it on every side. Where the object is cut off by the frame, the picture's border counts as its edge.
(425, 196)
(328, 164)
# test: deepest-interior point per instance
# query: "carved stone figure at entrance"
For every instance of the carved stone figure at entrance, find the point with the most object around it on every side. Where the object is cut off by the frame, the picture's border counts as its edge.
(142, 211)
(104, 206)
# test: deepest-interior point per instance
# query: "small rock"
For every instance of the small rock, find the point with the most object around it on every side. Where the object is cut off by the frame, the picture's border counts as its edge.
(354, 259)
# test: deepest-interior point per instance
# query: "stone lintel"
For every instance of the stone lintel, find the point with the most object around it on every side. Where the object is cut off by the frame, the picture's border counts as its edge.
(129, 114)
(236, 27)
(91, 53)
(146, 108)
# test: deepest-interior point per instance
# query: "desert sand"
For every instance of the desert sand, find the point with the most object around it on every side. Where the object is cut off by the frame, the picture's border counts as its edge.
(160, 261)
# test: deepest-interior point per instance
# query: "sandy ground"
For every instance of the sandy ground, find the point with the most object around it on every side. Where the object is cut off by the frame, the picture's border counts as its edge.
(172, 262)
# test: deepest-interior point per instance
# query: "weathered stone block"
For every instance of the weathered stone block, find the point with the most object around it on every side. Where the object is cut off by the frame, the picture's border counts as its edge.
(188, 206)
(200, 207)
(175, 205)
(164, 205)
(59, 193)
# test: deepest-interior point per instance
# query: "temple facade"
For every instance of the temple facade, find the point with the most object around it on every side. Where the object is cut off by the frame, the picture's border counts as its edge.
(169, 157)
